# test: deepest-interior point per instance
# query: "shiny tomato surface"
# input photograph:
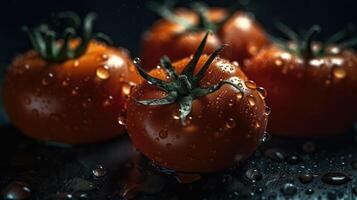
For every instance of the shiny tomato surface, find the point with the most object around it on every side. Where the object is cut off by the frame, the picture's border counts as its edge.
(223, 128)
(76, 101)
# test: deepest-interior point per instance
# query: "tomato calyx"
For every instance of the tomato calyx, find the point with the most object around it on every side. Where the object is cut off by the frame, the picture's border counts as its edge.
(183, 88)
(58, 49)
(165, 10)
(303, 45)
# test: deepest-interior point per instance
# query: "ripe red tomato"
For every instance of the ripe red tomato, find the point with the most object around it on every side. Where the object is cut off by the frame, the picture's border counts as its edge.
(312, 88)
(71, 99)
(196, 123)
(179, 33)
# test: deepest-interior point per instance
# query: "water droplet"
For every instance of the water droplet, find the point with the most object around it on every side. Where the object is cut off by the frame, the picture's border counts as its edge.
(339, 73)
(335, 178)
(104, 57)
(306, 178)
(103, 72)
(257, 125)
(267, 110)
(278, 62)
(250, 84)
(275, 154)
(16, 190)
(309, 191)
(99, 171)
(76, 63)
(231, 123)
(108, 101)
(235, 63)
(251, 100)
(75, 90)
(65, 82)
(289, 189)
(309, 147)
(253, 174)
(187, 178)
(239, 96)
(293, 159)
(266, 137)
(122, 120)
(262, 92)
(163, 133)
(126, 89)
(137, 61)
(27, 66)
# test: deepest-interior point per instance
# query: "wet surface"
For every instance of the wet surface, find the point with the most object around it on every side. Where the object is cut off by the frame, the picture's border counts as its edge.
(280, 169)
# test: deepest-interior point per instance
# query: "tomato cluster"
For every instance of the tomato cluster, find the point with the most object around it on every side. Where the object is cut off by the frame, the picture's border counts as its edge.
(201, 113)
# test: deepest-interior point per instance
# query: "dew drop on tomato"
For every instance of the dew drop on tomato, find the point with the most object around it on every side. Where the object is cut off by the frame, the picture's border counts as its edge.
(278, 62)
(126, 89)
(257, 125)
(108, 101)
(122, 120)
(103, 72)
(267, 110)
(163, 133)
(231, 123)
(76, 63)
(251, 100)
(104, 57)
(250, 84)
(239, 96)
(339, 73)
(262, 92)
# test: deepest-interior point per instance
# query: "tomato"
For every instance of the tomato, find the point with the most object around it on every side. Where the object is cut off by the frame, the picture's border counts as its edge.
(71, 99)
(200, 114)
(312, 86)
(178, 34)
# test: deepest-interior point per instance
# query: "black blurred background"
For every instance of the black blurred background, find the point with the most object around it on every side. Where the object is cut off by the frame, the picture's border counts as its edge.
(125, 20)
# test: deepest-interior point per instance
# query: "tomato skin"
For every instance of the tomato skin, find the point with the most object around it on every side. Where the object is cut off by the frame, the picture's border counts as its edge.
(243, 35)
(68, 102)
(219, 131)
(306, 97)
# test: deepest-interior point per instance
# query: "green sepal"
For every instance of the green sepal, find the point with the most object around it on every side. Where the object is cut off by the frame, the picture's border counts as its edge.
(183, 88)
(55, 48)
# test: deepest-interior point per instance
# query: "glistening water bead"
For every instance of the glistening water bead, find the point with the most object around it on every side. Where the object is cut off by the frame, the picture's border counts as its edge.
(335, 178)
(253, 174)
(16, 190)
(289, 189)
(99, 171)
